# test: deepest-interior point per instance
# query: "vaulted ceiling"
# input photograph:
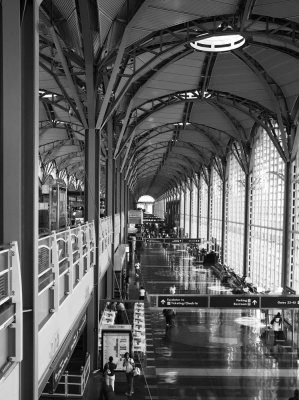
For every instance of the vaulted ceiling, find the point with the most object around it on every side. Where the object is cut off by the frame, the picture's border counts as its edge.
(127, 69)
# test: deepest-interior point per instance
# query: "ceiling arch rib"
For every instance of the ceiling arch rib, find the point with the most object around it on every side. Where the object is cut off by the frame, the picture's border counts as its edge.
(183, 97)
(169, 129)
(152, 52)
(281, 108)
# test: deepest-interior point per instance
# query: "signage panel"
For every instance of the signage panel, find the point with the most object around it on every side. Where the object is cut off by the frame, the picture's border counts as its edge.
(183, 301)
(115, 343)
(234, 301)
(175, 240)
(135, 217)
(280, 302)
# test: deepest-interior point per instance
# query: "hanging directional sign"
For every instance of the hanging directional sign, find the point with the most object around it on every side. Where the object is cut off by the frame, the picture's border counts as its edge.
(227, 301)
(183, 301)
(280, 302)
(234, 301)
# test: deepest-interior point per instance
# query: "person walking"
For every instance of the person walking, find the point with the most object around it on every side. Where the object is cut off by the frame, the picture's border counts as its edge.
(141, 293)
(109, 373)
(169, 315)
(276, 323)
(295, 396)
(129, 366)
(172, 289)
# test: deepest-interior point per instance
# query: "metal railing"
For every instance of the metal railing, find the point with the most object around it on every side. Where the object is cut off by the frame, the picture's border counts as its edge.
(105, 234)
(11, 305)
(105, 241)
(72, 385)
(63, 259)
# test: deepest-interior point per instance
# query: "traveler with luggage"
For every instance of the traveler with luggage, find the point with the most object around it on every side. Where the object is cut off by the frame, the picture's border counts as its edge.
(109, 373)
(276, 323)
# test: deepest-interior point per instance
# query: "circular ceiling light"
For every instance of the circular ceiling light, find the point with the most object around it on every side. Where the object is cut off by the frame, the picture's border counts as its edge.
(218, 43)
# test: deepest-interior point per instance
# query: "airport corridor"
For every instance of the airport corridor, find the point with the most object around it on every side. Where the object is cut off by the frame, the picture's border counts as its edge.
(210, 353)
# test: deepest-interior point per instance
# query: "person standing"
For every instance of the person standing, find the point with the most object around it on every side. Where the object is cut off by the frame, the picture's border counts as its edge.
(141, 293)
(109, 373)
(129, 366)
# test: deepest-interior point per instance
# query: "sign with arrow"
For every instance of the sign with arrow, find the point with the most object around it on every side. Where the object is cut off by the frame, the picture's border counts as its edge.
(280, 302)
(234, 302)
(183, 301)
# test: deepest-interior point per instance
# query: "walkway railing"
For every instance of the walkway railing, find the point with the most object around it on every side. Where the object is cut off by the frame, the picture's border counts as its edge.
(72, 385)
(11, 308)
(105, 241)
(63, 259)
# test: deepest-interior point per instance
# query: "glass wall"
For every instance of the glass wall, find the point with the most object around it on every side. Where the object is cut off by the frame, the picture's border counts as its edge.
(266, 213)
(158, 208)
(194, 210)
(203, 208)
(216, 211)
(187, 211)
(234, 215)
(182, 208)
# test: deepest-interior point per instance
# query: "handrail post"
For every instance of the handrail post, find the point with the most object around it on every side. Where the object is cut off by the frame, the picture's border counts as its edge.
(55, 268)
(87, 247)
(17, 299)
(70, 261)
(80, 241)
(66, 381)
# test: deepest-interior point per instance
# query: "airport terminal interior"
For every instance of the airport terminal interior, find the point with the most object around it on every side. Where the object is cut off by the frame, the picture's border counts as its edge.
(149, 199)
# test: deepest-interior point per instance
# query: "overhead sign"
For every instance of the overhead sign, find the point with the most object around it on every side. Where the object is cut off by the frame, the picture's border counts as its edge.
(225, 301)
(175, 240)
(183, 301)
(234, 301)
(280, 302)
(135, 217)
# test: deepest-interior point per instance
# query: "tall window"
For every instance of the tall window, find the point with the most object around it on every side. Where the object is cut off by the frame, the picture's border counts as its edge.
(187, 210)
(266, 214)
(216, 211)
(182, 207)
(235, 215)
(194, 210)
(203, 209)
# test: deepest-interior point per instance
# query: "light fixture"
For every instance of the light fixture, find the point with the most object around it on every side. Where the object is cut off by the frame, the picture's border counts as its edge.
(224, 39)
(46, 95)
(49, 95)
(196, 95)
(182, 123)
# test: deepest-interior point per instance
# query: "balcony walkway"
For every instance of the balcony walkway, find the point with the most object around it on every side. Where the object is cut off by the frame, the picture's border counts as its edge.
(209, 354)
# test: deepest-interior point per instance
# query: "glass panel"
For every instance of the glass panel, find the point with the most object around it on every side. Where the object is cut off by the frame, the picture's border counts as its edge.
(266, 214)
(235, 215)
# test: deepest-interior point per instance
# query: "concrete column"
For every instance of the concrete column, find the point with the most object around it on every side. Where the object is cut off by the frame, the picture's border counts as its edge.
(223, 225)
(209, 210)
(92, 213)
(122, 208)
(19, 158)
(246, 228)
(191, 209)
(198, 207)
(110, 201)
(185, 202)
(286, 223)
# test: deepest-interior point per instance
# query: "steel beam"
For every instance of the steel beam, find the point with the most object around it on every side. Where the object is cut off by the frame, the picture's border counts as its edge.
(68, 76)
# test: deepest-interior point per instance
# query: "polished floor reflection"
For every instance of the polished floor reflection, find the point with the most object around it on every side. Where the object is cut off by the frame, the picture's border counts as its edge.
(210, 354)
